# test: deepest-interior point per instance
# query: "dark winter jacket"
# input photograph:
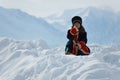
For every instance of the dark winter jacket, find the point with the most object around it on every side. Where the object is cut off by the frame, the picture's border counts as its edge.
(82, 36)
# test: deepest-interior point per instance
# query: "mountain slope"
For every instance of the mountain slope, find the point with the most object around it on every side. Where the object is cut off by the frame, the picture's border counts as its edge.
(28, 60)
(20, 25)
(102, 25)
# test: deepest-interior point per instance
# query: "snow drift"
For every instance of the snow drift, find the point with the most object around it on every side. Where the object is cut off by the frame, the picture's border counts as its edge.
(31, 60)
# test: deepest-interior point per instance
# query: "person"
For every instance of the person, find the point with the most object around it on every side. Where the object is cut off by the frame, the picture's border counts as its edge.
(77, 37)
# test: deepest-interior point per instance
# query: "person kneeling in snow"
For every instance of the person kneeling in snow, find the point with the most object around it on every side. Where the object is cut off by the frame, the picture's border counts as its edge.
(77, 38)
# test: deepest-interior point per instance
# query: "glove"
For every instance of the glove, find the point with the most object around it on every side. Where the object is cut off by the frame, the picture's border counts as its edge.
(74, 30)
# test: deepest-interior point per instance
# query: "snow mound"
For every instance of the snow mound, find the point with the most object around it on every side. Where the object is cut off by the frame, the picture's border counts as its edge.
(31, 60)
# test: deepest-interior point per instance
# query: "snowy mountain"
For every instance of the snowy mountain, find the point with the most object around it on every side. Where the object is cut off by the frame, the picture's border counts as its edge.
(29, 57)
(102, 25)
(32, 60)
(22, 26)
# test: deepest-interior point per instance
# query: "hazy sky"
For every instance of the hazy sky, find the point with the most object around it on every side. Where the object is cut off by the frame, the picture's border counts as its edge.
(47, 7)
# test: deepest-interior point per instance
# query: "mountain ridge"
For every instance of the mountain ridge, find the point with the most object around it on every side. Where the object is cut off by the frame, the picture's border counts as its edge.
(20, 25)
(96, 21)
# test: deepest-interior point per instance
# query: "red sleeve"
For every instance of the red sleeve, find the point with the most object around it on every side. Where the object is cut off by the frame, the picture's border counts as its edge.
(73, 31)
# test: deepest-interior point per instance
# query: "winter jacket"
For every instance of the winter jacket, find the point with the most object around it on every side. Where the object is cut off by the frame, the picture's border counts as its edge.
(81, 37)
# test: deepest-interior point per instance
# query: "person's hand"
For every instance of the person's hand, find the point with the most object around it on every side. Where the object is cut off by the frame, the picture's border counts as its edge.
(75, 43)
(74, 30)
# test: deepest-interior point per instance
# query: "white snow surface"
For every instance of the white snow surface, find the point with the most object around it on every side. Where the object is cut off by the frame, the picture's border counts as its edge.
(34, 60)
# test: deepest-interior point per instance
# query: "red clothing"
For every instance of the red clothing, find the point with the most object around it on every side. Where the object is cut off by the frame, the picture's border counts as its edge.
(77, 41)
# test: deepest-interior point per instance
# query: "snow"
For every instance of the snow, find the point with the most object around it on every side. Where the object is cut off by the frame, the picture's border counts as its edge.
(31, 60)
(19, 25)
(102, 25)
(26, 52)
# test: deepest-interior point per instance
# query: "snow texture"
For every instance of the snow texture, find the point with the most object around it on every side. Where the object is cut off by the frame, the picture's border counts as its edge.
(34, 60)
(27, 57)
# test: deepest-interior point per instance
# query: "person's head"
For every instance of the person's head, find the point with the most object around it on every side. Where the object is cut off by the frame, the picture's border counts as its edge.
(77, 21)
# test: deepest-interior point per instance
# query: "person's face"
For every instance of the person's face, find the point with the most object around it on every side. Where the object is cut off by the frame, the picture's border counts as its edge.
(77, 24)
